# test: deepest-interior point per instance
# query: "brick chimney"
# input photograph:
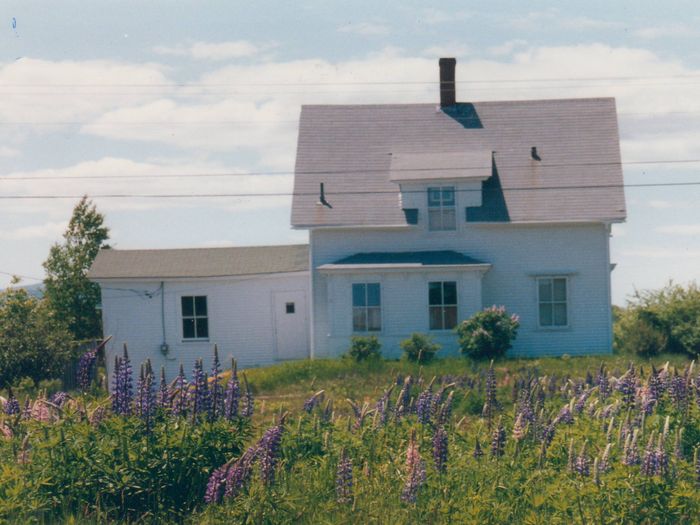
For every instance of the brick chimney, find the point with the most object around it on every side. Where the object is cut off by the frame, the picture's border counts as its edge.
(448, 94)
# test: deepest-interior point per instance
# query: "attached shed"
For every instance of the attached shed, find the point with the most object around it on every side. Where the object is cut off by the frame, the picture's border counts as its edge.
(172, 306)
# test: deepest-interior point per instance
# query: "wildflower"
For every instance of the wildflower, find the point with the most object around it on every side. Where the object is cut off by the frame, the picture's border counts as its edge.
(498, 440)
(524, 407)
(163, 400)
(145, 401)
(248, 403)
(627, 385)
(216, 393)
(490, 401)
(423, 405)
(343, 479)
(27, 410)
(180, 398)
(216, 485)
(581, 401)
(11, 405)
(603, 383)
(661, 458)
(678, 445)
(440, 449)
(415, 472)
(477, 450)
(565, 416)
(403, 400)
(200, 400)
(582, 462)
(122, 385)
(239, 473)
(86, 368)
(630, 454)
(678, 390)
(519, 428)
(383, 407)
(604, 464)
(445, 410)
(654, 384)
(268, 453)
(313, 401)
(97, 416)
(649, 466)
(232, 395)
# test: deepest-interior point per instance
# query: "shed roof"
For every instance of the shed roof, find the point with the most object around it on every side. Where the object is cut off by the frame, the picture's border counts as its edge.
(199, 262)
(350, 148)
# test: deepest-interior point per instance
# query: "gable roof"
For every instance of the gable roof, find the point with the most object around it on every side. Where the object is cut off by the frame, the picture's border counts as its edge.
(350, 148)
(199, 262)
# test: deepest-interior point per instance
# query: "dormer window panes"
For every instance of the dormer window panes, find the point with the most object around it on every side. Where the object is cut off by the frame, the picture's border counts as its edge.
(441, 208)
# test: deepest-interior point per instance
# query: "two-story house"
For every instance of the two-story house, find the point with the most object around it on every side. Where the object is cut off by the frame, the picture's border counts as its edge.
(419, 215)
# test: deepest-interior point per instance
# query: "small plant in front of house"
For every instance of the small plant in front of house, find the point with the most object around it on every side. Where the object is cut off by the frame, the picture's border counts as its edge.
(488, 333)
(364, 347)
(419, 348)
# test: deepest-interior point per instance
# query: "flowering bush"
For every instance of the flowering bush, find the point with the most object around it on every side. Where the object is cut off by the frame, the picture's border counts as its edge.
(488, 334)
(364, 347)
(419, 348)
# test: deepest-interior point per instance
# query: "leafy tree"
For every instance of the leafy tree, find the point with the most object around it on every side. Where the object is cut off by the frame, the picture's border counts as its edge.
(72, 296)
(33, 342)
(488, 333)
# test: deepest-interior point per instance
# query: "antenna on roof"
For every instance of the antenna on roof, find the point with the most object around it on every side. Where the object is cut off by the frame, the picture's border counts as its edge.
(322, 198)
(534, 154)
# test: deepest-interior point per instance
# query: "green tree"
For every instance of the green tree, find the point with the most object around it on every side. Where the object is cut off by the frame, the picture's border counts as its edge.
(71, 295)
(33, 341)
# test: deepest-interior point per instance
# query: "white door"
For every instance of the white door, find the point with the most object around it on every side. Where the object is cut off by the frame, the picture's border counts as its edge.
(291, 326)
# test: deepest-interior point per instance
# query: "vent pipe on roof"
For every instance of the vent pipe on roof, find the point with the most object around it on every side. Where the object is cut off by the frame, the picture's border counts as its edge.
(448, 93)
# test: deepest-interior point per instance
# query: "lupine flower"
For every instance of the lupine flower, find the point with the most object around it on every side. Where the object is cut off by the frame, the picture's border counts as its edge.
(477, 450)
(268, 453)
(97, 416)
(627, 385)
(583, 462)
(11, 407)
(581, 401)
(603, 383)
(313, 401)
(216, 391)
(445, 410)
(415, 472)
(524, 408)
(163, 399)
(604, 464)
(490, 402)
(232, 395)
(343, 479)
(27, 410)
(423, 406)
(565, 416)
(679, 391)
(519, 428)
(630, 454)
(145, 401)
(327, 412)
(240, 472)
(661, 461)
(440, 449)
(383, 407)
(199, 391)
(548, 432)
(403, 400)
(498, 440)
(86, 368)
(649, 466)
(248, 403)
(654, 384)
(180, 397)
(216, 485)
(122, 385)
(59, 398)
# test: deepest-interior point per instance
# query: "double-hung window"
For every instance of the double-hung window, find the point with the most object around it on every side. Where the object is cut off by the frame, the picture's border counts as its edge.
(442, 301)
(366, 307)
(441, 208)
(552, 295)
(195, 319)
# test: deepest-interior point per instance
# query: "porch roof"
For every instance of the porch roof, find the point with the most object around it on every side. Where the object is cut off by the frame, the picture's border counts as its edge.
(414, 259)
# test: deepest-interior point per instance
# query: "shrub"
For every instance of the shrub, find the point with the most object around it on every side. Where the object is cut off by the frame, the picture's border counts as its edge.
(488, 334)
(419, 348)
(364, 347)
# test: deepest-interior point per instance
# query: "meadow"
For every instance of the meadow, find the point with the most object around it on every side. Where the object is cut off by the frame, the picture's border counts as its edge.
(609, 439)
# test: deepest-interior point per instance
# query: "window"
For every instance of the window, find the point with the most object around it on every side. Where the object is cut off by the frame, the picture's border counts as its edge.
(366, 307)
(552, 297)
(289, 308)
(195, 320)
(442, 300)
(441, 208)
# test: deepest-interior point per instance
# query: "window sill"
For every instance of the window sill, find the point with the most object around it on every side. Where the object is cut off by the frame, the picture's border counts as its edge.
(553, 329)
(204, 340)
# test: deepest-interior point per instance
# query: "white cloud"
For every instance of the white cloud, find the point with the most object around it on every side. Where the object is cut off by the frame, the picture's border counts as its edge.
(49, 230)
(506, 48)
(7, 152)
(679, 229)
(665, 31)
(365, 29)
(451, 49)
(214, 51)
(553, 18)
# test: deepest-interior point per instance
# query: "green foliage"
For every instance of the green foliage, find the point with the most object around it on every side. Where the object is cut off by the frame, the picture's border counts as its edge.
(33, 342)
(419, 348)
(665, 320)
(488, 333)
(364, 347)
(71, 295)
(114, 469)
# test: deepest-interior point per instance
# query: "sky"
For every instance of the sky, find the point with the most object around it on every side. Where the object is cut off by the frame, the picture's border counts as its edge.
(197, 97)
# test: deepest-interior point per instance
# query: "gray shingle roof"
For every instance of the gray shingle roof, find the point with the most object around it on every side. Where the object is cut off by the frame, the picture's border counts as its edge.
(350, 148)
(199, 262)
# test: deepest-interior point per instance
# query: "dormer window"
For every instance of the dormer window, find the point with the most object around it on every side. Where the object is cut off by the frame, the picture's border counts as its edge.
(441, 208)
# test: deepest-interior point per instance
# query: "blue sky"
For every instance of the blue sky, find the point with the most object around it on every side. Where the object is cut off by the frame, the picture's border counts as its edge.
(116, 90)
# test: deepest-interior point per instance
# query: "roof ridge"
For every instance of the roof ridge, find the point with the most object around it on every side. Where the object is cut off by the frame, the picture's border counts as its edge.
(299, 245)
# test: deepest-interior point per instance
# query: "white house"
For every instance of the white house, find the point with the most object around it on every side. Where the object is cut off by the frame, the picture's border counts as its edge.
(418, 215)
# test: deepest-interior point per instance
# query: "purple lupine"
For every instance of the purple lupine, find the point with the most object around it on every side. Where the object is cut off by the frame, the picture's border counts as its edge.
(248, 402)
(582, 463)
(647, 399)
(679, 390)
(216, 390)
(86, 368)
(415, 472)
(145, 401)
(520, 428)
(565, 416)
(314, 401)
(655, 384)
(11, 407)
(163, 400)
(440, 449)
(423, 406)
(478, 452)
(445, 412)
(627, 385)
(630, 454)
(268, 453)
(661, 461)
(580, 402)
(240, 472)
(436, 402)
(498, 440)
(179, 396)
(199, 391)
(548, 431)
(122, 385)
(343, 479)
(232, 395)
(383, 407)
(603, 383)
(490, 402)
(59, 398)
(27, 410)
(604, 464)
(216, 485)
(524, 407)
(649, 466)
(403, 400)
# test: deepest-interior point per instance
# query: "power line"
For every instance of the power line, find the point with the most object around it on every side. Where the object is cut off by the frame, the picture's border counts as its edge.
(344, 172)
(335, 193)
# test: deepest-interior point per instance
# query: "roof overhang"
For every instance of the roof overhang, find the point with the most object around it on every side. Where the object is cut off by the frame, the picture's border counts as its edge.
(471, 166)
(403, 267)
